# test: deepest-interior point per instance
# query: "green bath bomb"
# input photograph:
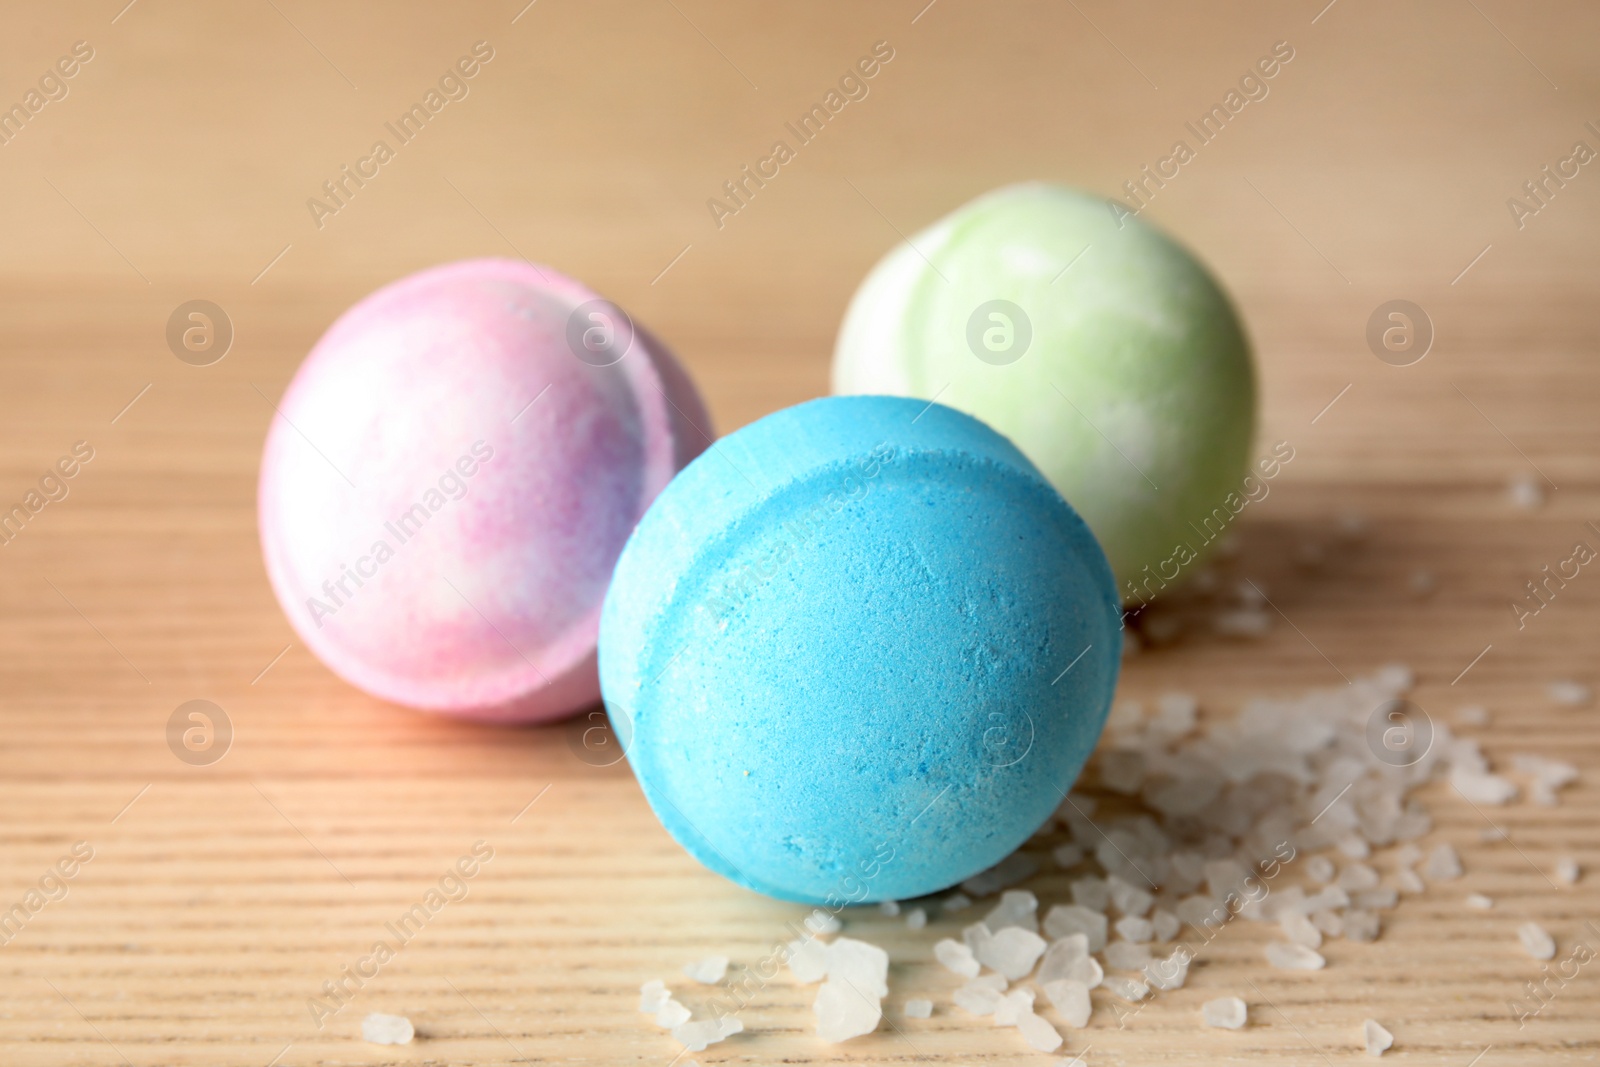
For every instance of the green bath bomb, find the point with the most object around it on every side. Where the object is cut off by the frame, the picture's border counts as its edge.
(1104, 350)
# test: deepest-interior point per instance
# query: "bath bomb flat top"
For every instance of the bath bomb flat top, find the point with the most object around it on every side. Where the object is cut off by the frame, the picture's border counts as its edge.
(446, 443)
(1119, 367)
(858, 651)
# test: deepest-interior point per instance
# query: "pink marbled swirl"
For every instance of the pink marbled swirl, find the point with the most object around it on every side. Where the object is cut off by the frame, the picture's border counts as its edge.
(433, 538)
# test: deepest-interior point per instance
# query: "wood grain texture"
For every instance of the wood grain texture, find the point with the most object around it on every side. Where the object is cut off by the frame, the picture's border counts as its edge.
(220, 898)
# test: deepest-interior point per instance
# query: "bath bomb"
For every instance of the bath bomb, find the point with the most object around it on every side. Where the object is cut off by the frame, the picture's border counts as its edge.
(450, 476)
(1097, 344)
(858, 651)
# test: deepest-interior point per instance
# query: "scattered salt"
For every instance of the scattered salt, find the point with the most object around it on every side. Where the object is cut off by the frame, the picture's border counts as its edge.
(1409, 881)
(708, 971)
(863, 966)
(916, 919)
(820, 922)
(1133, 928)
(387, 1029)
(1017, 907)
(808, 960)
(1013, 1006)
(1293, 957)
(919, 1008)
(1129, 989)
(977, 997)
(1320, 869)
(1091, 892)
(697, 1035)
(844, 1012)
(651, 995)
(1164, 925)
(1567, 870)
(1377, 1039)
(1012, 951)
(890, 908)
(1067, 856)
(1228, 1013)
(955, 902)
(671, 1013)
(1479, 901)
(1536, 941)
(1128, 898)
(1126, 956)
(1481, 787)
(1360, 925)
(1524, 492)
(1171, 972)
(1443, 864)
(956, 957)
(1572, 694)
(1064, 919)
(1358, 876)
(1071, 1001)
(1038, 1033)
(1300, 929)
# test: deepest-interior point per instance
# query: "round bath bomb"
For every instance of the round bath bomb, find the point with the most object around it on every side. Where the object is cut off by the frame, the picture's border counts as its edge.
(858, 651)
(450, 477)
(1102, 348)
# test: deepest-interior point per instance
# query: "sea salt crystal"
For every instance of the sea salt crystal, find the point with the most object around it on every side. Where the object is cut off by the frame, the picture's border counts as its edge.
(1091, 892)
(1126, 956)
(1330, 923)
(1377, 899)
(1224, 877)
(1481, 787)
(1129, 989)
(1071, 1001)
(955, 902)
(808, 960)
(380, 1029)
(708, 971)
(1293, 957)
(820, 922)
(1228, 1013)
(1479, 901)
(1069, 957)
(976, 936)
(919, 1009)
(651, 995)
(1553, 774)
(1409, 881)
(1013, 951)
(671, 1014)
(863, 966)
(843, 1012)
(1064, 919)
(890, 908)
(1038, 1033)
(1567, 870)
(1358, 876)
(1171, 972)
(1067, 856)
(1360, 925)
(978, 997)
(1164, 925)
(1017, 907)
(1524, 492)
(1128, 898)
(916, 919)
(1536, 941)
(956, 957)
(696, 1036)
(1133, 928)
(1572, 694)
(1013, 1006)
(1377, 1039)
(1443, 864)
(1300, 929)
(1321, 869)
(1354, 846)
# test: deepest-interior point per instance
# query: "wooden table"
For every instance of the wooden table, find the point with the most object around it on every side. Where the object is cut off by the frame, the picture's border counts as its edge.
(178, 166)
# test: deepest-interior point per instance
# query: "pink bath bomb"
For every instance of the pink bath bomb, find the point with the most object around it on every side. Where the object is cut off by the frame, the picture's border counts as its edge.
(451, 476)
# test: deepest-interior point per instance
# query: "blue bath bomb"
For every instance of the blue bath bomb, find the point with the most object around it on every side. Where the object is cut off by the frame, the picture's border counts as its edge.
(858, 650)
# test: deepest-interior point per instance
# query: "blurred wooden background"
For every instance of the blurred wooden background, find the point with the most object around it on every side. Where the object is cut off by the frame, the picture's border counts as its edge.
(177, 166)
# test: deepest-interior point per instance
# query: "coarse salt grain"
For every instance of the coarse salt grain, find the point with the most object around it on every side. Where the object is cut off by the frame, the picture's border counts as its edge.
(956, 957)
(671, 1014)
(1126, 956)
(890, 908)
(1375, 1037)
(708, 971)
(1443, 864)
(916, 918)
(1038, 1033)
(820, 922)
(1012, 951)
(651, 995)
(1064, 919)
(1013, 1006)
(919, 1008)
(380, 1029)
(1227, 1013)
(1479, 902)
(808, 960)
(1071, 1001)
(1017, 907)
(1129, 989)
(1572, 694)
(1567, 870)
(843, 1012)
(1524, 492)
(1293, 957)
(1536, 941)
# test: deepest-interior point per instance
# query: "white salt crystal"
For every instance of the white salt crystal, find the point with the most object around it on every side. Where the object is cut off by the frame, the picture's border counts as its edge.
(1064, 919)
(1536, 941)
(1228, 1013)
(1567, 870)
(708, 971)
(1129, 989)
(1377, 899)
(1127, 897)
(1330, 923)
(977, 998)
(1133, 928)
(1377, 1039)
(1122, 771)
(1481, 787)
(1549, 772)
(671, 1013)
(1224, 877)
(1013, 951)
(1409, 880)
(1067, 856)
(1017, 907)
(916, 918)
(1090, 892)
(1164, 925)
(1407, 854)
(1479, 901)
(1071, 1001)
(919, 1009)
(1360, 925)
(1175, 713)
(956, 957)
(890, 908)
(976, 935)
(1126, 956)
(1013, 1006)
(651, 994)
(843, 1012)
(697, 1035)
(1443, 864)
(955, 902)
(1473, 715)
(1524, 492)
(1171, 972)
(864, 966)
(820, 922)
(1331, 897)
(808, 960)
(1321, 869)
(387, 1029)
(1354, 846)
(1038, 1033)
(1572, 694)
(1292, 957)
(1299, 929)
(1358, 876)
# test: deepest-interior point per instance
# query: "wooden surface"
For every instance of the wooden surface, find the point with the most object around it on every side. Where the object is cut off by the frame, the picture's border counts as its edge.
(220, 898)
